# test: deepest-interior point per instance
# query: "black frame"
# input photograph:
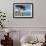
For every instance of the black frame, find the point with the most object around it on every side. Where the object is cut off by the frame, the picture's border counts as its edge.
(22, 3)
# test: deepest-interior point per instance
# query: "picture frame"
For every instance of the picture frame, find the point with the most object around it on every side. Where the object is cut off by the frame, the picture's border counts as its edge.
(22, 10)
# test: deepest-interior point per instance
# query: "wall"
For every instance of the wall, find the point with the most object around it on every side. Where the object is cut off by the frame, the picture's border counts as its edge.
(39, 14)
(25, 25)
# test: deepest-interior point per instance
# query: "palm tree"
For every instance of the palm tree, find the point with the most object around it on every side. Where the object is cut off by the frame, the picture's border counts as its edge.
(21, 8)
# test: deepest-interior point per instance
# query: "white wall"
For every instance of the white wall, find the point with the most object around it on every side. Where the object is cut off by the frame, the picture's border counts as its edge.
(39, 13)
(25, 25)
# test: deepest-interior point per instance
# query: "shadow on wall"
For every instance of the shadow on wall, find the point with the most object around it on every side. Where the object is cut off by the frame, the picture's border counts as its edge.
(16, 43)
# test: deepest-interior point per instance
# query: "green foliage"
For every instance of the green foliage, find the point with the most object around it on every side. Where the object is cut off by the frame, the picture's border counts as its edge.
(2, 18)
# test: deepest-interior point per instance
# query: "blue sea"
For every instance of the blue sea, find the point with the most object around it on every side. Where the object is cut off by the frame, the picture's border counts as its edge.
(26, 13)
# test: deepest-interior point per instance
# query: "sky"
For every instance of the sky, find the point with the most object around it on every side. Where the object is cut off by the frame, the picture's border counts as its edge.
(28, 8)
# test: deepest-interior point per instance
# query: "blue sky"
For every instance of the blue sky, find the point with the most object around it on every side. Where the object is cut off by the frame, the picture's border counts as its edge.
(27, 8)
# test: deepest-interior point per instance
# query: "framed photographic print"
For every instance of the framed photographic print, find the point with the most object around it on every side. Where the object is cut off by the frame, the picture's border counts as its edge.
(22, 10)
